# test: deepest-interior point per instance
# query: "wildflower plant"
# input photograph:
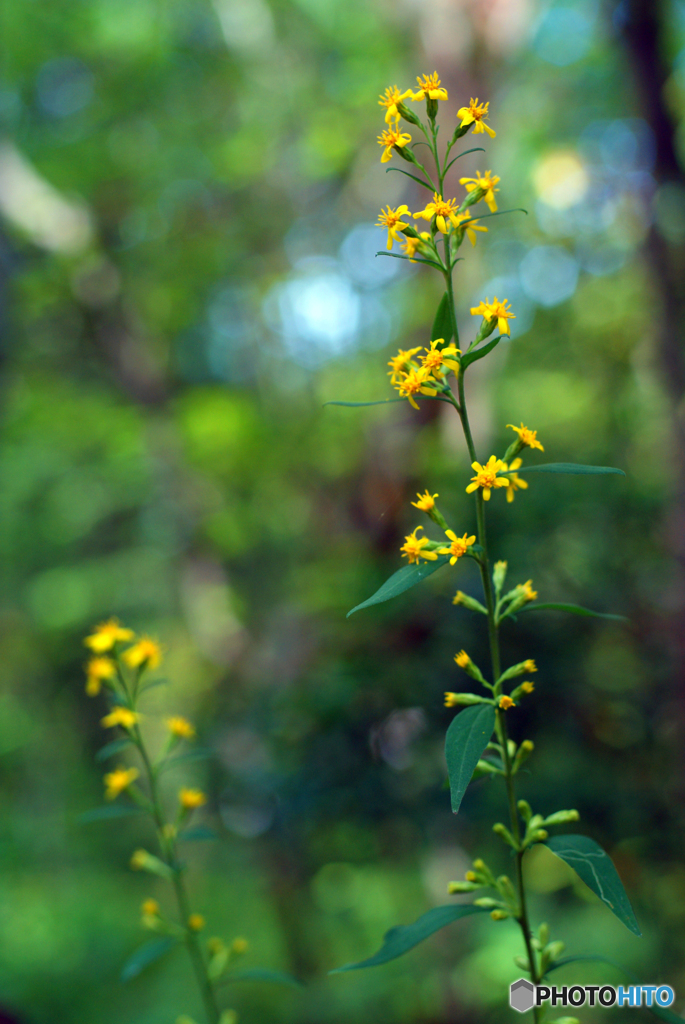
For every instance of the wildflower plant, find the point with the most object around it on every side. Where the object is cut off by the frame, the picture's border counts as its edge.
(479, 739)
(121, 666)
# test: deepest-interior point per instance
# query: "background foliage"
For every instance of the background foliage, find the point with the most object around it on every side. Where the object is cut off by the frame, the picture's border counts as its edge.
(187, 193)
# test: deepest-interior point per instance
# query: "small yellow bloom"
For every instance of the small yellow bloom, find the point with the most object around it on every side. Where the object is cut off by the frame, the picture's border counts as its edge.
(106, 635)
(399, 363)
(442, 210)
(459, 597)
(240, 946)
(469, 226)
(506, 702)
(486, 182)
(120, 716)
(528, 437)
(458, 546)
(392, 220)
(462, 659)
(471, 876)
(436, 358)
(196, 922)
(391, 101)
(181, 727)
(527, 687)
(495, 310)
(416, 382)
(391, 137)
(150, 908)
(98, 669)
(476, 114)
(139, 859)
(426, 501)
(119, 780)
(451, 700)
(528, 592)
(486, 477)
(191, 798)
(146, 652)
(429, 85)
(413, 546)
(516, 483)
(530, 666)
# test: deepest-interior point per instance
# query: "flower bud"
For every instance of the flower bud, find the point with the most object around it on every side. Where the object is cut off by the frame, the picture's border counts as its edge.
(486, 901)
(454, 699)
(522, 754)
(499, 915)
(554, 950)
(454, 887)
(499, 572)
(561, 818)
(501, 830)
(525, 810)
(407, 114)
(522, 963)
(543, 932)
(468, 602)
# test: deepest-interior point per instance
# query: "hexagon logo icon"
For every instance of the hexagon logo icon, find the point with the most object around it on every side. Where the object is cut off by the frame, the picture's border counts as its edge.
(522, 995)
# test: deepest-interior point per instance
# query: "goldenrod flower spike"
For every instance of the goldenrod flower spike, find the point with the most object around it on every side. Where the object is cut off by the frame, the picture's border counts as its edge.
(181, 727)
(429, 85)
(145, 653)
(506, 702)
(426, 501)
(391, 101)
(106, 635)
(416, 382)
(487, 478)
(413, 548)
(392, 220)
(120, 716)
(443, 210)
(527, 437)
(487, 183)
(495, 310)
(458, 546)
(402, 361)
(462, 659)
(119, 780)
(189, 799)
(98, 670)
(475, 114)
(391, 137)
(435, 358)
(515, 481)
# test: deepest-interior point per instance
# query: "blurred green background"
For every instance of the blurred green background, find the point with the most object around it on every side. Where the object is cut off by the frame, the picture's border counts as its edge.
(187, 198)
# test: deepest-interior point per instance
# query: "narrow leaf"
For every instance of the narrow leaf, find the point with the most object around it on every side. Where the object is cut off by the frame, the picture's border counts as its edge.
(424, 183)
(401, 939)
(467, 738)
(477, 149)
(113, 748)
(405, 578)
(658, 1011)
(574, 468)
(596, 869)
(478, 353)
(146, 955)
(263, 974)
(573, 609)
(197, 834)
(358, 405)
(442, 324)
(197, 754)
(500, 213)
(412, 259)
(107, 812)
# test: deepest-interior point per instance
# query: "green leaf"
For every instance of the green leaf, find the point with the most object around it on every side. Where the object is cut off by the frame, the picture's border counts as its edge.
(113, 748)
(263, 974)
(424, 183)
(412, 259)
(357, 405)
(596, 869)
(197, 754)
(467, 738)
(198, 834)
(146, 955)
(442, 324)
(658, 1011)
(477, 149)
(501, 213)
(401, 939)
(474, 355)
(405, 578)
(107, 812)
(573, 609)
(574, 468)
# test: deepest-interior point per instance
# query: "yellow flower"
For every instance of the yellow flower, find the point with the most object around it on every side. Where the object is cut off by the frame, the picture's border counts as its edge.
(462, 659)
(426, 501)
(120, 716)
(410, 245)
(139, 859)
(486, 182)
(470, 876)
(146, 652)
(459, 597)
(150, 908)
(528, 592)
(506, 702)
(106, 635)
(486, 477)
(392, 220)
(527, 687)
(440, 209)
(391, 101)
(435, 358)
(495, 310)
(191, 798)
(240, 946)
(475, 114)
(468, 225)
(196, 922)
(527, 437)
(416, 382)
(458, 546)
(529, 665)
(451, 700)
(429, 85)
(98, 669)
(181, 727)
(515, 481)
(413, 548)
(119, 780)
(392, 136)
(401, 361)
